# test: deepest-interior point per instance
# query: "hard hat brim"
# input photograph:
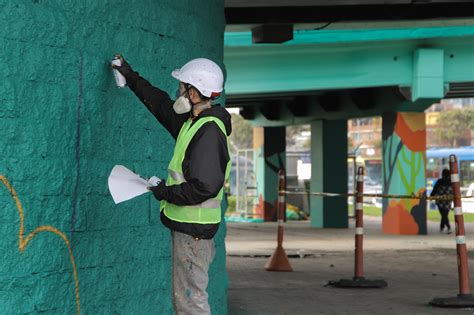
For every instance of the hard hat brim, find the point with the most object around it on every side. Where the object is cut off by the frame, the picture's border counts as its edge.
(176, 74)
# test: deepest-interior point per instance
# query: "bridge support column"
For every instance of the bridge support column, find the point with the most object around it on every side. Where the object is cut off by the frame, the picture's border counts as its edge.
(329, 173)
(269, 145)
(403, 172)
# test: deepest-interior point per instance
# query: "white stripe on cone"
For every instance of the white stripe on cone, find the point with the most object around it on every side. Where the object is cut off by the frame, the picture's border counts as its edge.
(461, 239)
(454, 178)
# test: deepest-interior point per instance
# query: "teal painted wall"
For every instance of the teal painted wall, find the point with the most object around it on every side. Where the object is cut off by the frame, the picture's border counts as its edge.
(64, 125)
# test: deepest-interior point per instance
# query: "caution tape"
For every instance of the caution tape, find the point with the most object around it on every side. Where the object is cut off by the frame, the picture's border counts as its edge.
(413, 196)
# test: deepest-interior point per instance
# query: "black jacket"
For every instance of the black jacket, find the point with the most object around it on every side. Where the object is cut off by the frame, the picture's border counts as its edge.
(205, 159)
(443, 188)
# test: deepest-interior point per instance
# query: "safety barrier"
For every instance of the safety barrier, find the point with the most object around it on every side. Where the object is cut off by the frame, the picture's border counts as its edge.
(279, 261)
(463, 299)
(413, 196)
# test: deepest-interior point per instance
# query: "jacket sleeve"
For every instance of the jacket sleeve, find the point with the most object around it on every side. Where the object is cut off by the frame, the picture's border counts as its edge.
(158, 103)
(204, 168)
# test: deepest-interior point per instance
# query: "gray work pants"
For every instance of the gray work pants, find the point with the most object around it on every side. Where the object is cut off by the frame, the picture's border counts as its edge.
(191, 260)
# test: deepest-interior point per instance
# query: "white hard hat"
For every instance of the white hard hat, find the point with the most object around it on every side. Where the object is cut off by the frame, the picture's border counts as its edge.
(204, 74)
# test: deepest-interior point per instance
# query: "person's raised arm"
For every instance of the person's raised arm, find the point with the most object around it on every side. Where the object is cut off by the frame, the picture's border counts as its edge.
(156, 100)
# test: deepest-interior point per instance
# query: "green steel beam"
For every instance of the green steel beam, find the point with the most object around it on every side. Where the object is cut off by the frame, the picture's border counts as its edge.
(383, 100)
(345, 36)
(327, 60)
(428, 77)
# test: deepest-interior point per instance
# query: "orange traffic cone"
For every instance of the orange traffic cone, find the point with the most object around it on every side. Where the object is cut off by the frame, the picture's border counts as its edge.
(279, 261)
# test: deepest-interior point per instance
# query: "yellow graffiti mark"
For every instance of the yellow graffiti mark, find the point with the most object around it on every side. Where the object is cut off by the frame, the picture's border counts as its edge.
(23, 242)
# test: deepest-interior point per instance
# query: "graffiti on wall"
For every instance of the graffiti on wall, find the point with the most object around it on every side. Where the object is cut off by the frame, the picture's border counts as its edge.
(23, 241)
(404, 146)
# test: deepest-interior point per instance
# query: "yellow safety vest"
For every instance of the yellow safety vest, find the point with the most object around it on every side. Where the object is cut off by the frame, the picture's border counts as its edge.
(209, 211)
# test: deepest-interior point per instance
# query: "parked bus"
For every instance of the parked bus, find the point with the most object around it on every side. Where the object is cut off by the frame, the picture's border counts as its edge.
(438, 158)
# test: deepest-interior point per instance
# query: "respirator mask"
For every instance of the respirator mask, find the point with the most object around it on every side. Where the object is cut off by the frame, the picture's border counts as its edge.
(182, 104)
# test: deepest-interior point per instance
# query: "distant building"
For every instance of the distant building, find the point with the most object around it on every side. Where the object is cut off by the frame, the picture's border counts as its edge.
(365, 135)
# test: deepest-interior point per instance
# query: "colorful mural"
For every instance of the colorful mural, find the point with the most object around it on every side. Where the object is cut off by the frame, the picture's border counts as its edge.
(269, 146)
(404, 160)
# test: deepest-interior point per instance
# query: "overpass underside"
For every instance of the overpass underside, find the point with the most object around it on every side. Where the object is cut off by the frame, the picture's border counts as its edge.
(323, 78)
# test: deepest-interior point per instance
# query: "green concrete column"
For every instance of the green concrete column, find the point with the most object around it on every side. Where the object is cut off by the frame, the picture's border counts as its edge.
(329, 173)
(63, 126)
(403, 172)
(269, 146)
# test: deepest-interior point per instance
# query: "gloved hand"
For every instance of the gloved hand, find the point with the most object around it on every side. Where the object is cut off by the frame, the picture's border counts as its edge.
(160, 192)
(126, 70)
(154, 181)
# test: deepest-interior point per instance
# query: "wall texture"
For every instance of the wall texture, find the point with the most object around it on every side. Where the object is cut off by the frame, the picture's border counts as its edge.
(64, 125)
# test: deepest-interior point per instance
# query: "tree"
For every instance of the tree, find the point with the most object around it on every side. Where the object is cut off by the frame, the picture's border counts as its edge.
(453, 125)
(292, 134)
(242, 133)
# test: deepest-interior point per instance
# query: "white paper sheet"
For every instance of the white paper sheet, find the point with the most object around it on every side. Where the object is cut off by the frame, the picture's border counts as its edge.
(125, 184)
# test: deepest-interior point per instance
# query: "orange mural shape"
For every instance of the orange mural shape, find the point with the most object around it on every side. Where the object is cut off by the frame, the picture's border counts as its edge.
(264, 210)
(397, 219)
(411, 129)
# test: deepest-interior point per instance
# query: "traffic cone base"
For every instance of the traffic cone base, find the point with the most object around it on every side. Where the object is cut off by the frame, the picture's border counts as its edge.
(278, 261)
(461, 300)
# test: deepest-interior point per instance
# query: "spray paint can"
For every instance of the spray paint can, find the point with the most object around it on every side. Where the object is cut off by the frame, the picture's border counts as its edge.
(119, 78)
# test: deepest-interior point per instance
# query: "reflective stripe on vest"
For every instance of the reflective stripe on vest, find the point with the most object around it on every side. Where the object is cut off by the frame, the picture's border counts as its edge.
(209, 211)
(177, 176)
(210, 203)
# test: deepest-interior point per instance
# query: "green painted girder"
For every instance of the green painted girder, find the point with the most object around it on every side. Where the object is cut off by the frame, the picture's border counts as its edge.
(335, 60)
(346, 106)
(359, 35)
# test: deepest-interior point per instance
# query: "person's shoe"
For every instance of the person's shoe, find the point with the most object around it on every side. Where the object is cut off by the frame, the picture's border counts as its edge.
(449, 231)
(441, 230)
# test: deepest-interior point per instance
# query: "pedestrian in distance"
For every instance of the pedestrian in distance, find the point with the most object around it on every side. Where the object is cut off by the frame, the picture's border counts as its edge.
(443, 188)
(190, 198)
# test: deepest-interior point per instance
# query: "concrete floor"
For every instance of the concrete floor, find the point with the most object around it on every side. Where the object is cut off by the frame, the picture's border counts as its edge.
(417, 269)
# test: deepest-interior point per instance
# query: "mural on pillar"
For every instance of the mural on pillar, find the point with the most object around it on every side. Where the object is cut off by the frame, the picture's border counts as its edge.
(269, 146)
(404, 159)
(267, 169)
(261, 205)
